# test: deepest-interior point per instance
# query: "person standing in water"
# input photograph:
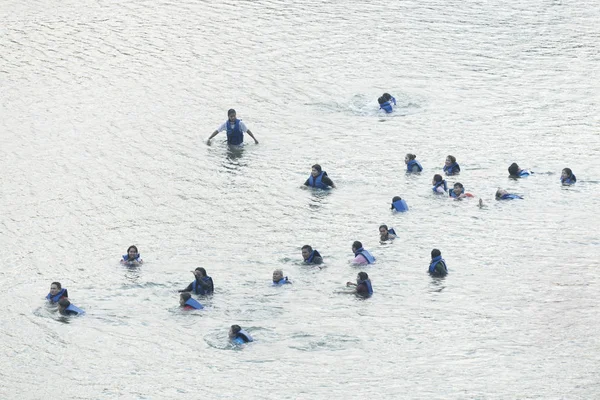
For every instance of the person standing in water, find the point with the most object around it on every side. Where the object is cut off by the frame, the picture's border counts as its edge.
(235, 130)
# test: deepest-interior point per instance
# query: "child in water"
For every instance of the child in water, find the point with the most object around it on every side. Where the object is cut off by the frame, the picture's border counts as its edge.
(515, 172)
(439, 184)
(188, 303)
(451, 167)
(567, 177)
(385, 102)
(398, 204)
(502, 194)
(437, 267)
(412, 165)
(132, 257)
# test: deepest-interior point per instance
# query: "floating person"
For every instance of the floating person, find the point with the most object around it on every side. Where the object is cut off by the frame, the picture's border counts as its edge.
(66, 308)
(386, 233)
(237, 335)
(318, 178)
(412, 165)
(515, 172)
(203, 284)
(132, 257)
(385, 102)
(363, 285)
(458, 192)
(279, 279)
(567, 177)
(235, 130)
(451, 167)
(439, 184)
(502, 194)
(398, 204)
(188, 302)
(361, 256)
(311, 256)
(56, 293)
(438, 265)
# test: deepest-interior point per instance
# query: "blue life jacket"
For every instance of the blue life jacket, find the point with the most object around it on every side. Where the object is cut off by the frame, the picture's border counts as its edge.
(400, 205)
(282, 281)
(235, 135)
(74, 310)
(525, 172)
(198, 289)
(392, 231)
(509, 196)
(313, 254)
(411, 164)
(194, 303)
(434, 262)
(367, 282)
(57, 296)
(387, 106)
(126, 258)
(242, 337)
(454, 195)
(569, 181)
(438, 184)
(452, 169)
(370, 259)
(318, 181)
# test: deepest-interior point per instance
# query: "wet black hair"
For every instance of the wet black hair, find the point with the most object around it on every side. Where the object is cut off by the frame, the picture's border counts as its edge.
(58, 285)
(186, 296)
(64, 302)
(383, 226)
(309, 248)
(452, 159)
(202, 270)
(363, 276)
(317, 167)
(411, 156)
(230, 111)
(435, 253)
(567, 170)
(387, 96)
(132, 247)
(236, 328)
(437, 178)
(357, 244)
(458, 184)
(381, 100)
(513, 169)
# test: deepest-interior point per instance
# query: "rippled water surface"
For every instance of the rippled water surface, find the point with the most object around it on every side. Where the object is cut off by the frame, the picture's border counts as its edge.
(105, 111)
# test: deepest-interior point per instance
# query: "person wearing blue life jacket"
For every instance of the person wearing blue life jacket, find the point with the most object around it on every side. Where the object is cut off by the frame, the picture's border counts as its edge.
(363, 285)
(318, 178)
(385, 102)
(237, 335)
(502, 194)
(361, 256)
(458, 192)
(66, 308)
(57, 292)
(439, 184)
(451, 167)
(132, 257)
(567, 177)
(515, 172)
(188, 302)
(437, 267)
(202, 284)
(235, 130)
(399, 205)
(412, 165)
(279, 279)
(311, 256)
(386, 233)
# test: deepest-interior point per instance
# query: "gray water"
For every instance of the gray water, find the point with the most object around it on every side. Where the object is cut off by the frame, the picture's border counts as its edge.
(105, 111)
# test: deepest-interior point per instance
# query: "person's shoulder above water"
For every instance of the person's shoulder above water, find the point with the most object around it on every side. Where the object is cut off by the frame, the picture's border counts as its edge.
(363, 285)
(237, 335)
(188, 302)
(451, 167)
(412, 165)
(567, 177)
(439, 184)
(132, 257)
(361, 256)
(319, 179)
(56, 293)
(437, 267)
(311, 256)
(386, 233)
(398, 204)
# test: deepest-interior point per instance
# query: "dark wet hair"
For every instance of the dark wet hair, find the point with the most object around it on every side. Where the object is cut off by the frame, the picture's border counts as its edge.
(132, 247)
(435, 253)
(411, 156)
(357, 244)
(452, 159)
(437, 178)
(307, 247)
(236, 328)
(186, 296)
(383, 226)
(567, 170)
(317, 167)
(230, 111)
(458, 184)
(57, 285)
(396, 198)
(64, 302)
(363, 276)
(381, 100)
(202, 271)
(513, 169)
(387, 96)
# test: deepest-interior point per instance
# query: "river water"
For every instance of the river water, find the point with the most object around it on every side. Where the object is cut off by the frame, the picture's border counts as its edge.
(105, 111)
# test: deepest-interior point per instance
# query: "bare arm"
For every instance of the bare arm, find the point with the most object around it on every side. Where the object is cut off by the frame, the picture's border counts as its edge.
(212, 136)
(251, 135)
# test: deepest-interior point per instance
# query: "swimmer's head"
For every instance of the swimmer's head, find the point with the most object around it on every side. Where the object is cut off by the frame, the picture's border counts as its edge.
(315, 170)
(387, 96)
(277, 275)
(132, 252)
(513, 169)
(234, 330)
(362, 276)
(184, 297)
(566, 173)
(450, 160)
(396, 198)
(381, 100)
(63, 304)
(201, 272)
(458, 188)
(437, 178)
(383, 229)
(55, 287)
(435, 253)
(409, 157)
(306, 250)
(231, 114)
(500, 193)
(356, 245)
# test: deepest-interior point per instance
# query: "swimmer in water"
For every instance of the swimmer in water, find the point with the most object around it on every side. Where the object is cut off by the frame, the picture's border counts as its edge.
(437, 267)
(502, 194)
(361, 256)
(237, 335)
(311, 256)
(188, 303)
(451, 167)
(235, 130)
(318, 178)
(132, 257)
(202, 284)
(56, 293)
(279, 279)
(66, 308)
(363, 285)
(567, 177)
(398, 204)
(515, 172)
(385, 102)
(439, 184)
(386, 234)
(412, 165)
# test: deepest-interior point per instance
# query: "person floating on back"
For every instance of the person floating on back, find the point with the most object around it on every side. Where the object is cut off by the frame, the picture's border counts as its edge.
(361, 256)
(438, 265)
(399, 205)
(56, 293)
(451, 167)
(66, 308)
(386, 233)
(279, 279)
(502, 194)
(458, 192)
(235, 130)
(567, 177)
(515, 172)
(311, 256)
(385, 102)
(318, 178)
(237, 335)
(188, 302)
(132, 257)
(363, 285)
(439, 184)
(412, 165)
(202, 284)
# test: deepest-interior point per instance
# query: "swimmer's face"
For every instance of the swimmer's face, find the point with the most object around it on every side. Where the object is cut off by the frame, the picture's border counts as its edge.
(231, 117)
(383, 231)
(132, 253)
(564, 174)
(358, 279)
(305, 254)
(433, 182)
(458, 189)
(277, 276)
(231, 333)
(448, 161)
(314, 172)
(54, 289)
(406, 159)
